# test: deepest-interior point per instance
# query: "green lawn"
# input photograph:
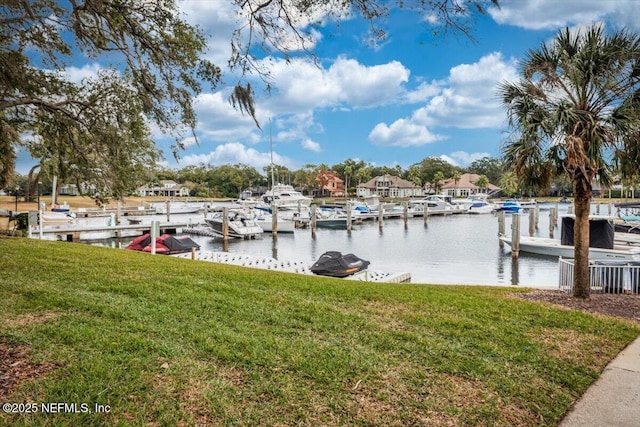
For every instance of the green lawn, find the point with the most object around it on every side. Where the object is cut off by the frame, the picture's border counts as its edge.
(166, 341)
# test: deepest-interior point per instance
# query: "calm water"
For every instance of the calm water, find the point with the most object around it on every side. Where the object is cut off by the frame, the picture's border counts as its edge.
(456, 249)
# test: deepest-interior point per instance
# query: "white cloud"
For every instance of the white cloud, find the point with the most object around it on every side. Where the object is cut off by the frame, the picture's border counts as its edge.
(464, 158)
(219, 121)
(553, 14)
(232, 153)
(77, 74)
(402, 133)
(310, 145)
(301, 84)
(466, 99)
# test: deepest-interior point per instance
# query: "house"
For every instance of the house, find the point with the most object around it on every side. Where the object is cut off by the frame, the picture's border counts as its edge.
(331, 185)
(166, 188)
(389, 186)
(465, 186)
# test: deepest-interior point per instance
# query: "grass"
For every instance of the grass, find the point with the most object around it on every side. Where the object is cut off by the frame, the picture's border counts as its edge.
(166, 341)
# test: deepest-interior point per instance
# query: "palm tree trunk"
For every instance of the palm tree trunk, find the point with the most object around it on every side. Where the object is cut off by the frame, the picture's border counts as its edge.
(581, 284)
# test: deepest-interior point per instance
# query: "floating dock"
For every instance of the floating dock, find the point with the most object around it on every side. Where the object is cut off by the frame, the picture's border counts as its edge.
(288, 266)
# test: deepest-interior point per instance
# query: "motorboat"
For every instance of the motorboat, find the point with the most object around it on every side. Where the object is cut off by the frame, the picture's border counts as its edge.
(437, 204)
(284, 196)
(331, 217)
(601, 242)
(166, 244)
(481, 207)
(264, 218)
(334, 264)
(162, 208)
(240, 226)
(48, 218)
(510, 206)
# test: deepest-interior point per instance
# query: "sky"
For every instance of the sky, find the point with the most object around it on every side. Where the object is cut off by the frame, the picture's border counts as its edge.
(390, 103)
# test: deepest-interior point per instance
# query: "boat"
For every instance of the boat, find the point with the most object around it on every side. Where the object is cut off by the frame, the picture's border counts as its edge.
(333, 218)
(57, 217)
(334, 264)
(437, 204)
(264, 218)
(601, 242)
(61, 208)
(510, 206)
(177, 207)
(166, 244)
(628, 217)
(284, 196)
(240, 226)
(481, 207)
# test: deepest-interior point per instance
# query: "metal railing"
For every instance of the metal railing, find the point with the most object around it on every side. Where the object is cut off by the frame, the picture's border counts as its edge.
(604, 276)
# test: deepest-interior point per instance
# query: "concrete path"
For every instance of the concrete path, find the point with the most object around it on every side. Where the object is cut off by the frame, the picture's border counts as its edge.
(614, 399)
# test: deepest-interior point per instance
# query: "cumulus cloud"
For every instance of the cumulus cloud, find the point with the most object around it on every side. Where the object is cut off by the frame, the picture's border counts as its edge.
(310, 145)
(552, 14)
(466, 99)
(301, 84)
(78, 74)
(232, 153)
(402, 133)
(462, 158)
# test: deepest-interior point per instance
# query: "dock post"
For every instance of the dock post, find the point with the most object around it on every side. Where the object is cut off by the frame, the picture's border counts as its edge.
(274, 221)
(168, 204)
(501, 227)
(405, 209)
(532, 222)
(155, 226)
(552, 221)
(425, 214)
(380, 216)
(597, 208)
(313, 220)
(348, 208)
(515, 235)
(193, 253)
(225, 223)
(118, 212)
(537, 215)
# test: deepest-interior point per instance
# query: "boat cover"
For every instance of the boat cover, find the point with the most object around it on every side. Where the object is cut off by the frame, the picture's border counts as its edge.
(165, 244)
(334, 264)
(601, 232)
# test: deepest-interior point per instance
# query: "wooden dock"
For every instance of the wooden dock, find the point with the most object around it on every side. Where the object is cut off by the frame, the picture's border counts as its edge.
(71, 233)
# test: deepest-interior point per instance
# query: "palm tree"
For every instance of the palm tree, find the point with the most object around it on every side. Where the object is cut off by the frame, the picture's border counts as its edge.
(575, 109)
(483, 183)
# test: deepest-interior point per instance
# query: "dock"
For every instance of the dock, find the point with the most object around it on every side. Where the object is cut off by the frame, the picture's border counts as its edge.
(289, 266)
(71, 233)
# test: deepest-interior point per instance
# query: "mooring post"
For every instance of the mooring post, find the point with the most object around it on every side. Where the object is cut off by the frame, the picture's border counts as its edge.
(348, 208)
(168, 204)
(552, 221)
(274, 221)
(155, 227)
(380, 216)
(193, 253)
(537, 215)
(313, 220)
(597, 208)
(405, 209)
(501, 227)
(532, 222)
(515, 235)
(118, 212)
(225, 223)
(425, 214)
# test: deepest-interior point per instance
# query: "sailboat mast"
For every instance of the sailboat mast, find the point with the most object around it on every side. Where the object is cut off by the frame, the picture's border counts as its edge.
(271, 150)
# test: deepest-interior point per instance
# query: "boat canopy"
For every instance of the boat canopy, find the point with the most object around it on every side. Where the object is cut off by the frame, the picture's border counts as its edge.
(601, 232)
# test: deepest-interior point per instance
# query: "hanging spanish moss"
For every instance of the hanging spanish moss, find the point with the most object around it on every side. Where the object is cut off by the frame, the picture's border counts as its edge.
(242, 99)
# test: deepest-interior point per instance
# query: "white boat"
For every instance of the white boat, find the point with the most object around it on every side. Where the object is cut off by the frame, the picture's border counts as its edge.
(286, 197)
(177, 207)
(437, 205)
(602, 242)
(264, 219)
(240, 226)
(553, 247)
(57, 218)
(481, 207)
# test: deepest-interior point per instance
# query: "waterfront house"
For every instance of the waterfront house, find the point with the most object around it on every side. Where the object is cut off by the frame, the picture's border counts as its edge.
(166, 188)
(466, 186)
(389, 186)
(330, 185)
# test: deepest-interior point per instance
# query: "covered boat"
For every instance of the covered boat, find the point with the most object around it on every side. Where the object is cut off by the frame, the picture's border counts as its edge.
(165, 244)
(334, 264)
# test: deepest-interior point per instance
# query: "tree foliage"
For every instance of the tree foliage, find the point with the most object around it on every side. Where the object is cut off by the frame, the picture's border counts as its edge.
(574, 110)
(156, 55)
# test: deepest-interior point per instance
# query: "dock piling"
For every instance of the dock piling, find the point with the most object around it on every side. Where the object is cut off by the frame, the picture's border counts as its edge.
(515, 235)
(225, 223)
(532, 222)
(501, 227)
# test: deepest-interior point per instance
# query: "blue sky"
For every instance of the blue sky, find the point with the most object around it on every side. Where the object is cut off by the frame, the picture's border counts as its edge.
(407, 98)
